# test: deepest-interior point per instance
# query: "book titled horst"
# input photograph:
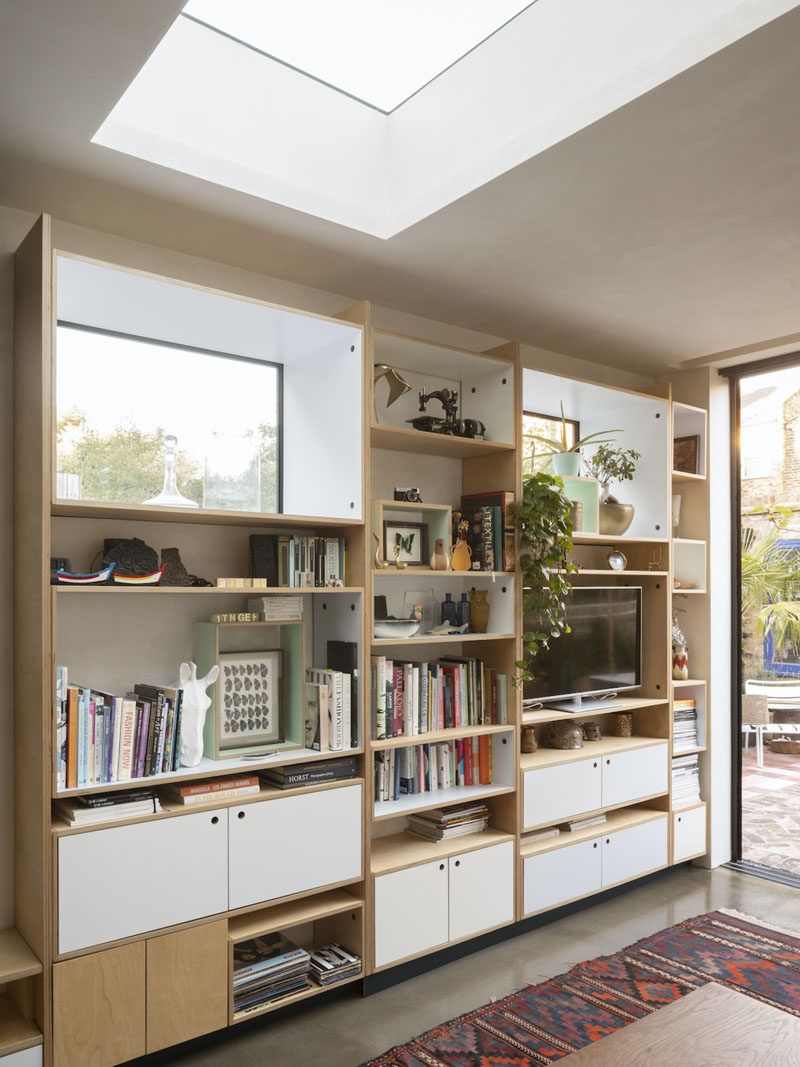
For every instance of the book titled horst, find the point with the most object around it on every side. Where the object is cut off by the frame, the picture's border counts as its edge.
(310, 773)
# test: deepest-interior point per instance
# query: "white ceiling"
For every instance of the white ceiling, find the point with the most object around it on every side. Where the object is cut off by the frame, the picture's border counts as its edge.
(666, 232)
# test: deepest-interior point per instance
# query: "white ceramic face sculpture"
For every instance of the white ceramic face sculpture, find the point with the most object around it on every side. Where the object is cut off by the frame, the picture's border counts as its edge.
(196, 703)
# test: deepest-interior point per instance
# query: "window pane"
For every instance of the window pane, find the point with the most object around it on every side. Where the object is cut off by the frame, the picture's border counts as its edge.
(144, 422)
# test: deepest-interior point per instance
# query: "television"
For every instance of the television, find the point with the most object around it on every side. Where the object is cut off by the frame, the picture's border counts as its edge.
(600, 656)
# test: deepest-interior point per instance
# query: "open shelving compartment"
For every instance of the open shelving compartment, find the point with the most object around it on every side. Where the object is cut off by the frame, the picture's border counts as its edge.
(335, 915)
(18, 969)
(689, 422)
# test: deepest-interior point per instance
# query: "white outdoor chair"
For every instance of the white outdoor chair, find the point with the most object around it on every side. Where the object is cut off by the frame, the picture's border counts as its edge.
(762, 699)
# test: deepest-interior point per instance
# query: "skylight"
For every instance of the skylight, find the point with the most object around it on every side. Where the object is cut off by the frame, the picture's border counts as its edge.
(379, 51)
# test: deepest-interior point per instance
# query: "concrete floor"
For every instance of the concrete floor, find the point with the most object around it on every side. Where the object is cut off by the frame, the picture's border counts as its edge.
(351, 1029)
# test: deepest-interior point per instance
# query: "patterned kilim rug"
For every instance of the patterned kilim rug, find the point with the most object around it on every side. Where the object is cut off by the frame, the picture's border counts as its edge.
(544, 1023)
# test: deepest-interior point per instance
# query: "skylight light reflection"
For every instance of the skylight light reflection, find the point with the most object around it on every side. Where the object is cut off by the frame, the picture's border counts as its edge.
(379, 51)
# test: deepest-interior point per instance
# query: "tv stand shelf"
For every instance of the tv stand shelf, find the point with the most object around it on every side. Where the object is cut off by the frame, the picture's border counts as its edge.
(608, 746)
(541, 715)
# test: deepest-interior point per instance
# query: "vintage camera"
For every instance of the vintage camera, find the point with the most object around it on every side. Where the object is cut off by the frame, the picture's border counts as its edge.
(408, 493)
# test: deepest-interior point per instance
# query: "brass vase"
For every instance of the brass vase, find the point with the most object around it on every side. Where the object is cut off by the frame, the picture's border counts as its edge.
(480, 609)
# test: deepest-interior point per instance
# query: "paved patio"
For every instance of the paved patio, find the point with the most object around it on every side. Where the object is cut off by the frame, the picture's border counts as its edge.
(771, 810)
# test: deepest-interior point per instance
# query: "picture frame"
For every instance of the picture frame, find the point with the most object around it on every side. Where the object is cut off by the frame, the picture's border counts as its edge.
(250, 699)
(685, 454)
(411, 538)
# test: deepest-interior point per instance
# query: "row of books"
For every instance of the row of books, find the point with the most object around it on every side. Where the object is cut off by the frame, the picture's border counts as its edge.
(415, 698)
(102, 807)
(271, 967)
(299, 561)
(685, 780)
(425, 768)
(490, 533)
(102, 738)
(329, 710)
(684, 725)
(443, 823)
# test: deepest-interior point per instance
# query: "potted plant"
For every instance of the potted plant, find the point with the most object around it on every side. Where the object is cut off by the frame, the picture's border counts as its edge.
(545, 541)
(608, 465)
(564, 457)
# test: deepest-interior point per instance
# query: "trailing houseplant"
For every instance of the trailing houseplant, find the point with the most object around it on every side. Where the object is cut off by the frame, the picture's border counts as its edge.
(545, 541)
(565, 457)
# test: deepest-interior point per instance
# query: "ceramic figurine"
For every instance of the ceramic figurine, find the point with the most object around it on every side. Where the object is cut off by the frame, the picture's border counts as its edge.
(196, 703)
(440, 560)
(379, 562)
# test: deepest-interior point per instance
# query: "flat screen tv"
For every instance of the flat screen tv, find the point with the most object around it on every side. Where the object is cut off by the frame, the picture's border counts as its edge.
(600, 657)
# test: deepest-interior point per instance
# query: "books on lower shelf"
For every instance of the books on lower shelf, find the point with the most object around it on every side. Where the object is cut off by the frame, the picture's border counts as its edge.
(332, 963)
(314, 772)
(102, 738)
(266, 969)
(443, 823)
(277, 608)
(684, 725)
(84, 811)
(465, 761)
(685, 779)
(409, 698)
(217, 789)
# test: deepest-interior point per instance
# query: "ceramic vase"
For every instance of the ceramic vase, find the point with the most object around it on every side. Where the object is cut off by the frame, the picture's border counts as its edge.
(460, 556)
(480, 609)
(566, 464)
(440, 560)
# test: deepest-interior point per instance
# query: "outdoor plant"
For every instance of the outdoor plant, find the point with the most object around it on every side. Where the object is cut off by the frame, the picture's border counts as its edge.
(771, 582)
(608, 464)
(545, 541)
(556, 446)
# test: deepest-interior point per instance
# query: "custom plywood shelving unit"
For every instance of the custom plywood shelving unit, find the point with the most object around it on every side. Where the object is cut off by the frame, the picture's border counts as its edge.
(348, 868)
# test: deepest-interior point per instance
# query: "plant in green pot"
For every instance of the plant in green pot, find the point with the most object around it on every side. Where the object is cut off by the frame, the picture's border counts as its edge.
(607, 465)
(562, 457)
(545, 541)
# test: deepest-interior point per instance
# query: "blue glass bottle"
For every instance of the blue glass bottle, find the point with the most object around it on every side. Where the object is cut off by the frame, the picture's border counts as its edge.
(463, 611)
(449, 610)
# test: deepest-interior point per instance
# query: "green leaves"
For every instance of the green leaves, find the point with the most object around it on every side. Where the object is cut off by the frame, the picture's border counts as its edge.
(545, 541)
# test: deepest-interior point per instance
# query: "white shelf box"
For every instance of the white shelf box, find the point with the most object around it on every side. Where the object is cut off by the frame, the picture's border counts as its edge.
(646, 430)
(690, 422)
(689, 564)
(499, 586)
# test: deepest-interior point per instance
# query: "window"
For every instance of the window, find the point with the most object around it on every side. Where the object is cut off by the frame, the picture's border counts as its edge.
(144, 421)
(536, 425)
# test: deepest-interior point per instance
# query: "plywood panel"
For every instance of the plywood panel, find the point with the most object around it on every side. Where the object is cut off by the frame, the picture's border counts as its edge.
(187, 984)
(33, 672)
(99, 1008)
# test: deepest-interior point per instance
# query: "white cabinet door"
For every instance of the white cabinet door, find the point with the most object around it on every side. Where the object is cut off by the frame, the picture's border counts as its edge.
(688, 833)
(128, 879)
(555, 793)
(551, 878)
(29, 1057)
(631, 775)
(410, 911)
(293, 844)
(636, 850)
(481, 890)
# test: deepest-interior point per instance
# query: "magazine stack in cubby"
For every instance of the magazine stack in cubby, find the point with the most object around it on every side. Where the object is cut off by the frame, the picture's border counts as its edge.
(266, 969)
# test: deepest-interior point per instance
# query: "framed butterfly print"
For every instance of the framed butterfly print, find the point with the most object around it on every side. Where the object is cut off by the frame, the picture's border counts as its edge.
(250, 699)
(404, 542)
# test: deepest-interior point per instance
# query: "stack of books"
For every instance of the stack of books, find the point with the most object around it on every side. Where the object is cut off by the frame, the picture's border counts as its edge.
(266, 969)
(277, 608)
(443, 823)
(329, 709)
(684, 730)
(311, 773)
(83, 811)
(491, 530)
(332, 963)
(685, 780)
(215, 789)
